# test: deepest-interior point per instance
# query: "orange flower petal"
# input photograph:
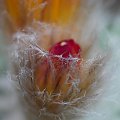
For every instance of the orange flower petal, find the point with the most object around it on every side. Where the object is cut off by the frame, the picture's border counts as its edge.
(16, 11)
(33, 8)
(51, 11)
(59, 11)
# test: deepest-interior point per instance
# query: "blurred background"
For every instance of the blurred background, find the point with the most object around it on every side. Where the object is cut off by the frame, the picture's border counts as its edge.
(107, 13)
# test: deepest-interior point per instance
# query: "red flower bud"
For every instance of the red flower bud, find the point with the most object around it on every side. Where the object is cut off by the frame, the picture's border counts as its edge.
(66, 51)
(66, 48)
